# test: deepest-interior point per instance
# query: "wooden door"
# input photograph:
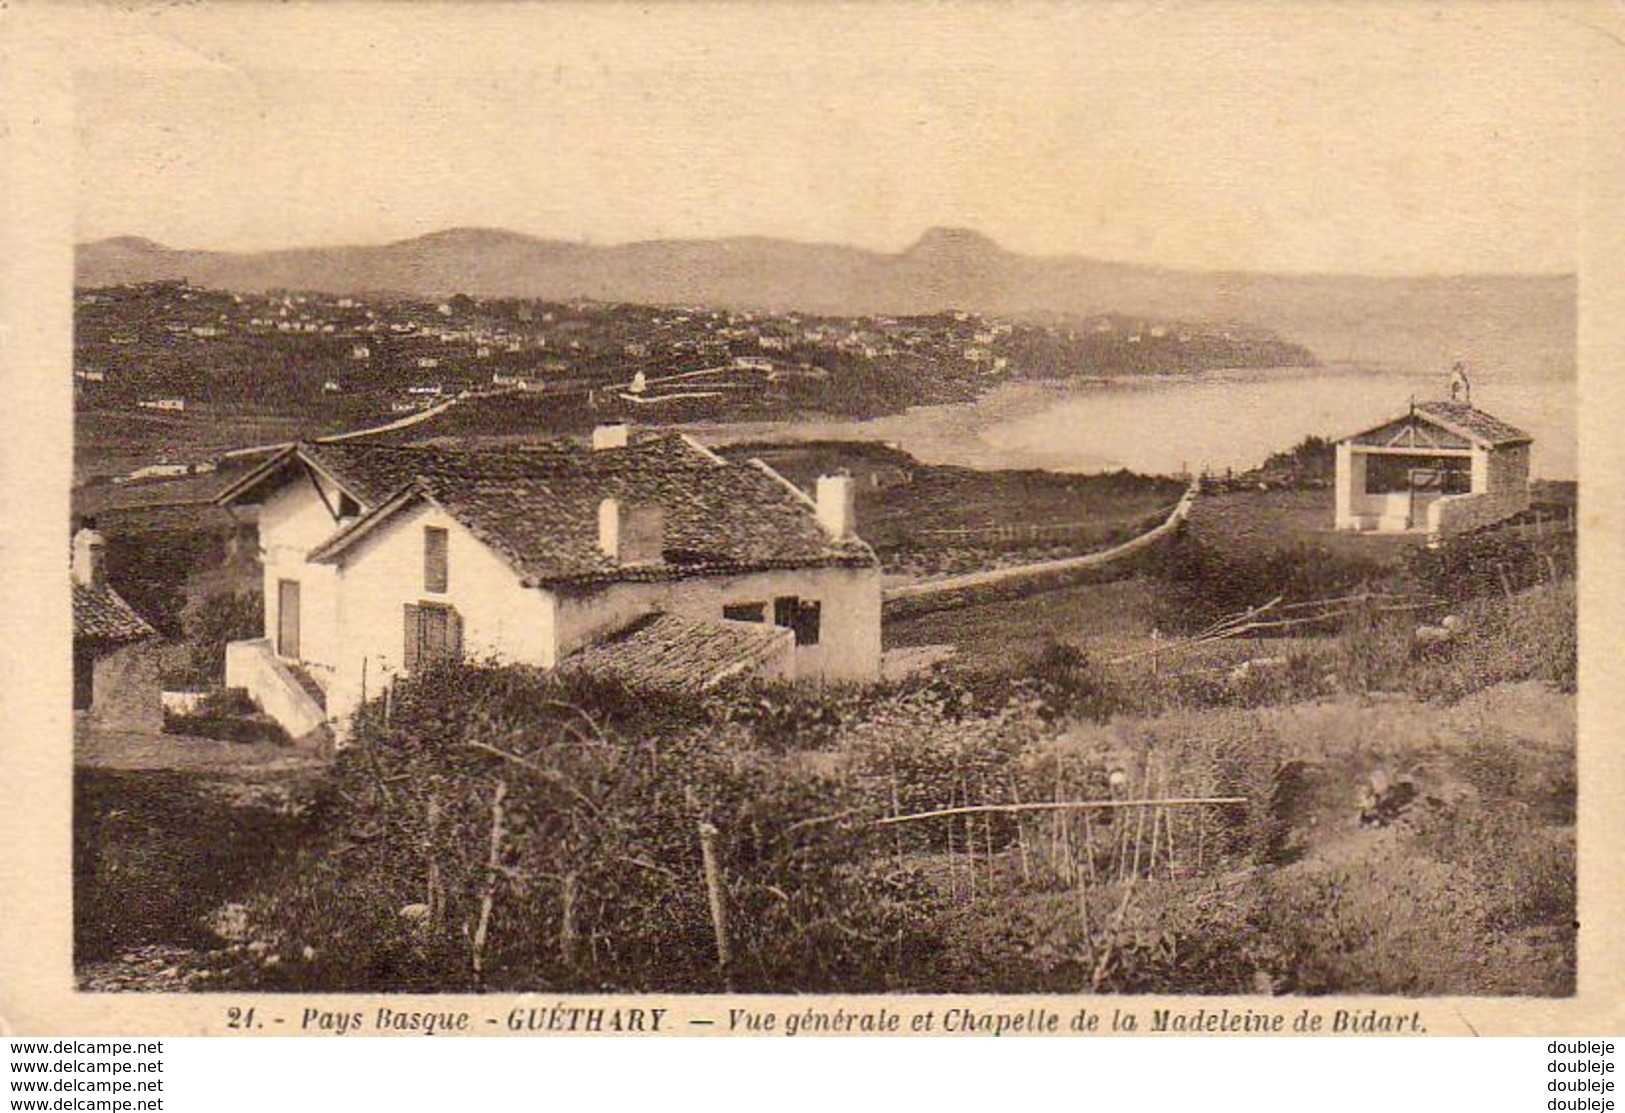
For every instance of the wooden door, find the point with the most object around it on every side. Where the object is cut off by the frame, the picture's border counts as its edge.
(287, 619)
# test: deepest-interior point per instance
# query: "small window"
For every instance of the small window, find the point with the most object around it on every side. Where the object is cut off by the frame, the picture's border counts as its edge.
(434, 559)
(745, 612)
(799, 615)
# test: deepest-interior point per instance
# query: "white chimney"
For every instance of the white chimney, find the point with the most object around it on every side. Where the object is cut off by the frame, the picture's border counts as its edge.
(89, 554)
(611, 436)
(837, 506)
(631, 534)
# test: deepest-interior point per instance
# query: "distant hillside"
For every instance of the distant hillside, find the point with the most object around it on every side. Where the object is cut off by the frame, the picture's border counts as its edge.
(1521, 321)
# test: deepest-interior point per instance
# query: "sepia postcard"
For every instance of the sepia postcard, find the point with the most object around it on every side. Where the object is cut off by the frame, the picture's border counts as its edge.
(799, 519)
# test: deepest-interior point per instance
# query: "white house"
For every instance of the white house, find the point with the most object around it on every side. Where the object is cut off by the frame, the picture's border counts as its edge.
(644, 555)
(1441, 468)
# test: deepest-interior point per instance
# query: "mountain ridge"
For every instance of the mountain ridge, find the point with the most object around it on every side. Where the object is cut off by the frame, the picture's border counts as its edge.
(1420, 320)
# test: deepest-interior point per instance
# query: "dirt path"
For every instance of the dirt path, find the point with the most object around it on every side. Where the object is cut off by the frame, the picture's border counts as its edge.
(133, 751)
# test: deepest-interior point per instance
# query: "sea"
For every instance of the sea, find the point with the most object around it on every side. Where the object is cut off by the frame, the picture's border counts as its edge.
(1213, 421)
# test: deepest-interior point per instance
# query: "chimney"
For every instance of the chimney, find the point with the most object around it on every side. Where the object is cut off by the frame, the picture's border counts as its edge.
(89, 553)
(611, 436)
(631, 534)
(837, 506)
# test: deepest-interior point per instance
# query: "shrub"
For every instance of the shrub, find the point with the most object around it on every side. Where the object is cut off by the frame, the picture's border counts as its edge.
(1198, 583)
(1531, 636)
(219, 618)
(150, 569)
(1312, 462)
(228, 715)
(597, 802)
(1059, 680)
(1490, 562)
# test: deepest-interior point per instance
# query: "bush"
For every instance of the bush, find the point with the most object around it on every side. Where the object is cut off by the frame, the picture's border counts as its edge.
(594, 803)
(1060, 681)
(218, 619)
(1198, 583)
(507, 829)
(1531, 636)
(1312, 462)
(227, 715)
(1490, 562)
(150, 569)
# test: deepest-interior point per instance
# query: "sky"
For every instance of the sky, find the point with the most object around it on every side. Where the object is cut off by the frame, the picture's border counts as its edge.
(1350, 138)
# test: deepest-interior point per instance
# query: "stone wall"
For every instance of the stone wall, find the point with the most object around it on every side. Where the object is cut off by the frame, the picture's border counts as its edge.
(124, 694)
(1462, 513)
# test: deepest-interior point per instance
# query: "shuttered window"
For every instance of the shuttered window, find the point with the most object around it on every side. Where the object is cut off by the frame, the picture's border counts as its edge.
(435, 570)
(433, 632)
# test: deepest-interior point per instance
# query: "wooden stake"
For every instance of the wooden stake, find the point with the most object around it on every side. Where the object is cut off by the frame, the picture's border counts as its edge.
(970, 834)
(987, 832)
(1089, 847)
(896, 809)
(1057, 827)
(567, 920)
(493, 866)
(1156, 833)
(1021, 834)
(1066, 805)
(713, 892)
(1168, 828)
(1139, 827)
(1082, 887)
(433, 896)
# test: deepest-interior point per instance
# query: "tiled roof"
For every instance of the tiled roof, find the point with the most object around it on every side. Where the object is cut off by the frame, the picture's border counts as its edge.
(672, 653)
(538, 507)
(100, 614)
(374, 472)
(1473, 423)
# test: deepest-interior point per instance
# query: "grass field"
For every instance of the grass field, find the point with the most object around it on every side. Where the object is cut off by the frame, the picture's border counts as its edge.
(166, 829)
(112, 442)
(1092, 615)
(1260, 521)
(925, 519)
(1470, 890)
